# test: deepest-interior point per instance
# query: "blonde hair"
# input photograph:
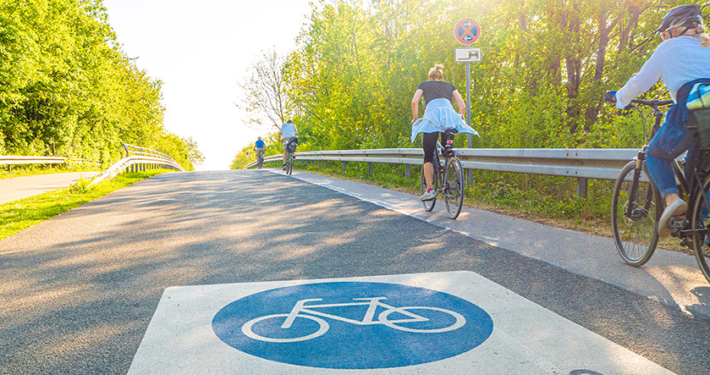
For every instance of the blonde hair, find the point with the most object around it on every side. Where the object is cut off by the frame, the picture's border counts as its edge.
(436, 73)
(697, 32)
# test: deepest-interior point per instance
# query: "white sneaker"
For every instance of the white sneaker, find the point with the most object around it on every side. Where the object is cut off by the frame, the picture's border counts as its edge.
(428, 196)
(676, 208)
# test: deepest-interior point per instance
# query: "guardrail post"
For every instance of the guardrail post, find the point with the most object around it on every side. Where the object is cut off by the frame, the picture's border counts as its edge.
(408, 171)
(318, 164)
(582, 185)
(326, 164)
(369, 169)
(345, 167)
(469, 177)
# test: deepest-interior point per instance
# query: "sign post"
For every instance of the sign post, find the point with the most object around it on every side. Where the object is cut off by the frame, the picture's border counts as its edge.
(467, 31)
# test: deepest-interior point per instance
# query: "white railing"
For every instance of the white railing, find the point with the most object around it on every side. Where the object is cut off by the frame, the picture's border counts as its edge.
(16, 160)
(582, 164)
(138, 159)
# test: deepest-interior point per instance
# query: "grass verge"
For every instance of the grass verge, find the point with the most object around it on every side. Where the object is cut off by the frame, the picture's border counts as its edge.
(23, 213)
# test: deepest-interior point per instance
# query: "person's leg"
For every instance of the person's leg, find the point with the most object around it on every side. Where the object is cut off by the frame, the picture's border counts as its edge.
(429, 146)
(429, 175)
(285, 142)
(661, 172)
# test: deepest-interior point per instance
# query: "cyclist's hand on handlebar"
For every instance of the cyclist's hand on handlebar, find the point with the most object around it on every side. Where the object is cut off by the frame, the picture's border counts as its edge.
(610, 97)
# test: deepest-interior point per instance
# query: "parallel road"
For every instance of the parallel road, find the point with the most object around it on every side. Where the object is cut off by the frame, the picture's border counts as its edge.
(78, 292)
(22, 187)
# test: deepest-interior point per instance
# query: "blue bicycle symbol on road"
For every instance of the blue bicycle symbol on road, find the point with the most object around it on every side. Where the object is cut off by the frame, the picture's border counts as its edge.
(300, 310)
(352, 325)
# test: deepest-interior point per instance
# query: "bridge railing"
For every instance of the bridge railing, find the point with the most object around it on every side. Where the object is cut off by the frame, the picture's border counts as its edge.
(138, 159)
(581, 164)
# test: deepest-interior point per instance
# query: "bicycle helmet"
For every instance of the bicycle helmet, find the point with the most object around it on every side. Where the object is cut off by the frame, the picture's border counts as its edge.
(684, 15)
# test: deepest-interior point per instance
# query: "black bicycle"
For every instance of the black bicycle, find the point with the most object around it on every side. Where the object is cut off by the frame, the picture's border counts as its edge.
(290, 151)
(637, 205)
(448, 177)
(259, 158)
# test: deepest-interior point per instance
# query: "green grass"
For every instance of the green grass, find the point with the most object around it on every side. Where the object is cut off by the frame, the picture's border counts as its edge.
(21, 214)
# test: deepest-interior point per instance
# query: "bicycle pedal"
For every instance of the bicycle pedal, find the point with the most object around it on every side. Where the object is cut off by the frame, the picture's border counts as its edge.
(678, 222)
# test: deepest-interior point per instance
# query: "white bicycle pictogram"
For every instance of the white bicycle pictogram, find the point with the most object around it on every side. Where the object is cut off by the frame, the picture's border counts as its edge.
(300, 310)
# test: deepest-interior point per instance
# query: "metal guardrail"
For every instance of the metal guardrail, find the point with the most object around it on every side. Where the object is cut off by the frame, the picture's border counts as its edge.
(16, 160)
(138, 159)
(132, 150)
(582, 164)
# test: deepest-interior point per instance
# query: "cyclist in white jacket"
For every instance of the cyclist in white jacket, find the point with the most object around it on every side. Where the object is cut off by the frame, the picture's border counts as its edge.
(680, 61)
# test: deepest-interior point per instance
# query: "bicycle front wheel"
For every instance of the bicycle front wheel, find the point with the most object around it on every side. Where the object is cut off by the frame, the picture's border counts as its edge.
(634, 214)
(454, 189)
(699, 226)
(428, 205)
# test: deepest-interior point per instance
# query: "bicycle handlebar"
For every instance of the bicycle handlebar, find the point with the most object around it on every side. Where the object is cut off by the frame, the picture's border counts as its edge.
(655, 103)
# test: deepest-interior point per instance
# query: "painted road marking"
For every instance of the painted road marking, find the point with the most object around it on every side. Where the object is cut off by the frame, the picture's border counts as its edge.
(400, 326)
(443, 323)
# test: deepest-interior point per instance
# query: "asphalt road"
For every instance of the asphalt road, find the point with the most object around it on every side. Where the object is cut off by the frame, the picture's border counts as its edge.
(77, 292)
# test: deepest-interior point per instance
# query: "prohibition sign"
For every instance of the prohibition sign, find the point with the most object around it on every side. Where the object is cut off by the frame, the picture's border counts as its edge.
(467, 31)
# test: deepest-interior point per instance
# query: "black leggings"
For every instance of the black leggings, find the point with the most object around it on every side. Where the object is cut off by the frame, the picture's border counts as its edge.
(429, 145)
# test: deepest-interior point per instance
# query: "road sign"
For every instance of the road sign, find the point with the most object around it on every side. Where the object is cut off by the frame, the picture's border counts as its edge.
(467, 31)
(468, 55)
(353, 325)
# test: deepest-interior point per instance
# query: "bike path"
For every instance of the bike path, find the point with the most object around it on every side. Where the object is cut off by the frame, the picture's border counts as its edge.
(670, 277)
(12, 189)
(85, 288)
(498, 332)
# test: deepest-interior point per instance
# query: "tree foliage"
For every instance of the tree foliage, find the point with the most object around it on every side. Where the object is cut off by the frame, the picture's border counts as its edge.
(546, 64)
(67, 89)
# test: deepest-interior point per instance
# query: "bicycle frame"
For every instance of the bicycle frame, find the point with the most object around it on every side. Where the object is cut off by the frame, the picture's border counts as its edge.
(373, 303)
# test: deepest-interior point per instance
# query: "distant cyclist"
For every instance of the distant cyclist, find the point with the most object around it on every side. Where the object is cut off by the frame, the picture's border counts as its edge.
(288, 131)
(439, 116)
(259, 144)
(680, 61)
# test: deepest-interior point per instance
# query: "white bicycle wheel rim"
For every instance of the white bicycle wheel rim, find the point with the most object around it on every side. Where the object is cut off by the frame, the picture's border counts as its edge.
(246, 329)
(460, 320)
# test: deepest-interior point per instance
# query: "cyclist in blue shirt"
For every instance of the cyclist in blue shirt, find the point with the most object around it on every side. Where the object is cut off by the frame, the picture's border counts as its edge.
(288, 131)
(259, 144)
(680, 61)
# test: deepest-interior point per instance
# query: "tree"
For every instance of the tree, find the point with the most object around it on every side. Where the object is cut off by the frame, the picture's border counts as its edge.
(266, 92)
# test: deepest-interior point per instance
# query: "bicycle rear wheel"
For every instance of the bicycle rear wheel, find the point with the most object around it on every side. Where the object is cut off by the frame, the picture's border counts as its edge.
(699, 225)
(633, 221)
(429, 205)
(454, 188)
(289, 163)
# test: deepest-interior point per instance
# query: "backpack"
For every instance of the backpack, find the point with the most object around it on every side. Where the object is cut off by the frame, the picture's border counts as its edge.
(698, 102)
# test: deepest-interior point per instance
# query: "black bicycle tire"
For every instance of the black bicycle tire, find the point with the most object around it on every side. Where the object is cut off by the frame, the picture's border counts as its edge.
(702, 251)
(454, 210)
(289, 162)
(428, 205)
(635, 258)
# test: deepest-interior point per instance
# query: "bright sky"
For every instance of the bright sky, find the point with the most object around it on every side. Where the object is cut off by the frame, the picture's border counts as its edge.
(202, 50)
